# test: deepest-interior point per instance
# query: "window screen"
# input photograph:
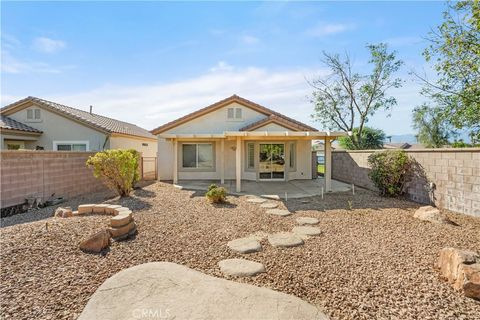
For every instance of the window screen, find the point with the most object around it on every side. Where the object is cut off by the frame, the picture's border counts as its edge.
(250, 155)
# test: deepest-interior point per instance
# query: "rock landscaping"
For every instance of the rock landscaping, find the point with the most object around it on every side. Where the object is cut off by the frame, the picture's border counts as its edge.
(269, 205)
(306, 231)
(256, 200)
(285, 239)
(375, 261)
(431, 214)
(240, 267)
(307, 220)
(279, 212)
(245, 245)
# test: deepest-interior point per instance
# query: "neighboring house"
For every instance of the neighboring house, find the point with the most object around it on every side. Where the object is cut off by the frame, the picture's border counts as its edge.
(38, 124)
(238, 139)
(403, 145)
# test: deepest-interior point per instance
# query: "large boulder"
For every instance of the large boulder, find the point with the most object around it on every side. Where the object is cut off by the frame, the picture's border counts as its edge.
(461, 268)
(164, 290)
(97, 242)
(431, 214)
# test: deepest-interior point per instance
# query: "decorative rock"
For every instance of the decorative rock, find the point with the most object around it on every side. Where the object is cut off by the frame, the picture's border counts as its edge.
(64, 212)
(431, 214)
(306, 231)
(85, 208)
(279, 212)
(120, 220)
(462, 269)
(118, 210)
(121, 231)
(183, 293)
(96, 243)
(111, 209)
(285, 239)
(245, 245)
(256, 200)
(240, 267)
(269, 205)
(307, 220)
(100, 208)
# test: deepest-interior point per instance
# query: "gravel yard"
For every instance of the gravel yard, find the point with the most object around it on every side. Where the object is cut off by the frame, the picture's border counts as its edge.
(374, 261)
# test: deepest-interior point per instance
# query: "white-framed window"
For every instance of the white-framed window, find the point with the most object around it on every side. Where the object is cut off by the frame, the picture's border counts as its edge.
(34, 115)
(234, 114)
(71, 146)
(250, 155)
(197, 155)
(293, 155)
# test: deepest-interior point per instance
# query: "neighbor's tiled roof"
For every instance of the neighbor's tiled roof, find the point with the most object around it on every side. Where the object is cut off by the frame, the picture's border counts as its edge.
(224, 102)
(103, 123)
(10, 124)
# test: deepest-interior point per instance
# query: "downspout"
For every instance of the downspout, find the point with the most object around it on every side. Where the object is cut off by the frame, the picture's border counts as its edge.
(106, 140)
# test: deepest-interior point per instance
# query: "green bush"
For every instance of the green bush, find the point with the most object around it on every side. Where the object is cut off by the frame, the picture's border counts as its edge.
(390, 171)
(216, 194)
(117, 168)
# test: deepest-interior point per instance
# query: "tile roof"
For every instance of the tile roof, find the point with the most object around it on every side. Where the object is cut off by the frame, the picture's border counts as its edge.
(9, 123)
(100, 122)
(274, 119)
(224, 102)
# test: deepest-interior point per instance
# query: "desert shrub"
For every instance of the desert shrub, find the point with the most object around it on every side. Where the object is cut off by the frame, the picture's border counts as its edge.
(390, 171)
(118, 169)
(216, 194)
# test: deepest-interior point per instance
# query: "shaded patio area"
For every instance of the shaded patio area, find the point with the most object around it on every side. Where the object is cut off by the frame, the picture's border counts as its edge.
(281, 189)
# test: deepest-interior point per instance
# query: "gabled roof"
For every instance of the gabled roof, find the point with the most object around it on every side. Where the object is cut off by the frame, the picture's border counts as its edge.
(217, 105)
(99, 122)
(277, 120)
(10, 124)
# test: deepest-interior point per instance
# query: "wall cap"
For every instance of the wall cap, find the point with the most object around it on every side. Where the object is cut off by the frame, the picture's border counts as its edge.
(412, 150)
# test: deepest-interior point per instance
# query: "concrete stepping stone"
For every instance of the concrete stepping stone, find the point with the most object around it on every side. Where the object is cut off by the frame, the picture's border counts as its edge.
(279, 212)
(307, 220)
(245, 245)
(306, 231)
(189, 294)
(269, 205)
(240, 267)
(285, 239)
(271, 196)
(256, 200)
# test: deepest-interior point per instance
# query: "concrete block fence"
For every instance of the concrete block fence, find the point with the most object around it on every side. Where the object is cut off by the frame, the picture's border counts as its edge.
(455, 173)
(39, 174)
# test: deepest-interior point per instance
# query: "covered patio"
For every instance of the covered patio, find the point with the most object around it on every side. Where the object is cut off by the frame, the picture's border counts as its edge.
(273, 189)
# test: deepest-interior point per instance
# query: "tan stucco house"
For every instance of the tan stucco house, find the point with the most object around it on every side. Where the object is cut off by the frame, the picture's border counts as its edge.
(38, 124)
(238, 139)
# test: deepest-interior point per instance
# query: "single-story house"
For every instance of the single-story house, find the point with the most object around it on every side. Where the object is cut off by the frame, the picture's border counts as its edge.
(238, 139)
(38, 124)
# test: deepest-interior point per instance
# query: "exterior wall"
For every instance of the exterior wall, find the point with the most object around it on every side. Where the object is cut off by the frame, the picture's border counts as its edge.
(59, 128)
(455, 172)
(216, 121)
(120, 142)
(41, 173)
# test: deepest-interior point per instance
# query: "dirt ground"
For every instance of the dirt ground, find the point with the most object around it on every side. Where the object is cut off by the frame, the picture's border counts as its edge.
(373, 260)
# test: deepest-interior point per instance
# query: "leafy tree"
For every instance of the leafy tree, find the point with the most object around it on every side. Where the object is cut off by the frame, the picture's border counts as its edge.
(455, 50)
(433, 130)
(371, 139)
(346, 99)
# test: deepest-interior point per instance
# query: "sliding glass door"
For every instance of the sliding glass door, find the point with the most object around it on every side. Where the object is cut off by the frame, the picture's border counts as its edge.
(272, 161)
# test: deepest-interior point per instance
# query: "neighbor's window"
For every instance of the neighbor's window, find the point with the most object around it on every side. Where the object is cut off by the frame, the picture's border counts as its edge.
(292, 154)
(197, 155)
(65, 146)
(234, 113)
(33, 114)
(145, 144)
(250, 155)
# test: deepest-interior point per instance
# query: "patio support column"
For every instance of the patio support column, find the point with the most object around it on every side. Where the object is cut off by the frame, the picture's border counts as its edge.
(238, 165)
(328, 165)
(222, 161)
(175, 161)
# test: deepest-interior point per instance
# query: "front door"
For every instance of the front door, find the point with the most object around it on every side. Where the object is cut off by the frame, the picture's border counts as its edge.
(272, 161)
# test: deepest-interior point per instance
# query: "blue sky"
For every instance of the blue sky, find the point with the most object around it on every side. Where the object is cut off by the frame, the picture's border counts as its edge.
(151, 62)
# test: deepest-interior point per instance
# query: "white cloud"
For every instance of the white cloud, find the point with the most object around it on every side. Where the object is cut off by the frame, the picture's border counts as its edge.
(14, 65)
(221, 66)
(48, 45)
(326, 29)
(249, 40)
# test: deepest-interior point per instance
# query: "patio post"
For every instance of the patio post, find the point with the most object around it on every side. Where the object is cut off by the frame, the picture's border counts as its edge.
(222, 161)
(328, 165)
(175, 161)
(238, 165)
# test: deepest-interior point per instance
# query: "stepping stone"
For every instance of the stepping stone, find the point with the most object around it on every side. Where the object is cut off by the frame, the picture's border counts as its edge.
(245, 245)
(307, 220)
(269, 205)
(256, 200)
(306, 231)
(240, 267)
(279, 212)
(285, 239)
(271, 196)
(157, 287)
